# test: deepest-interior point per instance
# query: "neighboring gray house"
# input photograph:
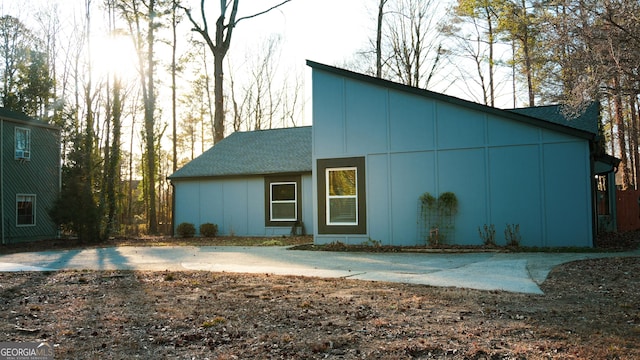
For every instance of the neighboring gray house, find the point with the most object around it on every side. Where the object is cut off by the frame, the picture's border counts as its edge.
(254, 183)
(376, 146)
(30, 177)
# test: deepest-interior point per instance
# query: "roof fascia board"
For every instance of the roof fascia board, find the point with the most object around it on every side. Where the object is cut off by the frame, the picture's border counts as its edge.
(235, 176)
(35, 123)
(453, 100)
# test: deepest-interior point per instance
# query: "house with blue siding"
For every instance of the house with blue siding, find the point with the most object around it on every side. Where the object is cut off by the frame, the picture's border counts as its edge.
(376, 147)
(255, 183)
(30, 177)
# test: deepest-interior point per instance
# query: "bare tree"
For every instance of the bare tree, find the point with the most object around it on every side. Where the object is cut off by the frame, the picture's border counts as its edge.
(595, 49)
(483, 14)
(379, 24)
(467, 44)
(267, 98)
(412, 35)
(219, 45)
(140, 16)
(174, 44)
(261, 99)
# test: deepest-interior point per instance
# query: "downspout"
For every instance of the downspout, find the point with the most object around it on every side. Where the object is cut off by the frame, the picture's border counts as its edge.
(60, 151)
(173, 208)
(2, 180)
(613, 197)
(594, 193)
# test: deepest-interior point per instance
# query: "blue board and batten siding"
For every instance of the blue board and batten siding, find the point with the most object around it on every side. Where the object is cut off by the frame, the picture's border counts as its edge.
(503, 171)
(236, 205)
(228, 184)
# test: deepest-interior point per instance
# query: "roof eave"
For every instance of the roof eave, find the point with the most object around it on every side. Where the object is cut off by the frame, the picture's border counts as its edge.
(30, 122)
(235, 176)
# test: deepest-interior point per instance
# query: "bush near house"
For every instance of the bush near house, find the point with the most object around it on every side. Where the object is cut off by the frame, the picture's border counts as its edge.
(208, 230)
(186, 230)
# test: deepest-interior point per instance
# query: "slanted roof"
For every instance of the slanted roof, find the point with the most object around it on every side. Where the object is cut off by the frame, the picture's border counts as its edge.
(261, 152)
(586, 120)
(533, 117)
(18, 117)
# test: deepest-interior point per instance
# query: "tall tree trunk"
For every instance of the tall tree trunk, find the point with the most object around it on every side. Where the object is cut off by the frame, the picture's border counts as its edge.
(619, 121)
(113, 175)
(491, 40)
(379, 38)
(219, 46)
(635, 155)
(174, 120)
(149, 125)
(207, 88)
(218, 96)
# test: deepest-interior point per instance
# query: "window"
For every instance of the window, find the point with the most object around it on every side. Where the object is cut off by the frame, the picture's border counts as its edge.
(282, 200)
(341, 196)
(23, 143)
(25, 210)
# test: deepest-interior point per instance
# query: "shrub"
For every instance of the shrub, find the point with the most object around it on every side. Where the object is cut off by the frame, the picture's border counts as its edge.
(448, 203)
(488, 234)
(512, 235)
(208, 230)
(186, 230)
(428, 201)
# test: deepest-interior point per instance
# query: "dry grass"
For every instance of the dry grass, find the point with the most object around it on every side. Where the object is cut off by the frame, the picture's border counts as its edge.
(590, 310)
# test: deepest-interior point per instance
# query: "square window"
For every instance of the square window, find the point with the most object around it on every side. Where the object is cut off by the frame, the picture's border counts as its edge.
(282, 200)
(23, 143)
(25, 210)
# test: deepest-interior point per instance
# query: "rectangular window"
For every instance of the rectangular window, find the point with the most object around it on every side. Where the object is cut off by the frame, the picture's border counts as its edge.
(23, 143)
(25, 210)
(282, 200)
(284, 206)
(341, 196)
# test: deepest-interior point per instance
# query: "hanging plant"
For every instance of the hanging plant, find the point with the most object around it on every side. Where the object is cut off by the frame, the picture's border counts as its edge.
(448, 203)
(436, 216)
(428, 200)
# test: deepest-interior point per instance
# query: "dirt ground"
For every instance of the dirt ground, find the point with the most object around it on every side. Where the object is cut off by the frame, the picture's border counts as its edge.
(590, 310)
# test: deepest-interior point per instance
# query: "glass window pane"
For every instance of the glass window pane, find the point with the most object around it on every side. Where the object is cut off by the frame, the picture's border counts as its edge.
(25, 210)
(283, 211)
(281, 192)
(342, 210)
(342, 182)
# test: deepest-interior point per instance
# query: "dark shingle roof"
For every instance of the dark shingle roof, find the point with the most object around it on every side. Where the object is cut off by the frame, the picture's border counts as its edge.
(586, 120)
(19, 117)
(259, 152)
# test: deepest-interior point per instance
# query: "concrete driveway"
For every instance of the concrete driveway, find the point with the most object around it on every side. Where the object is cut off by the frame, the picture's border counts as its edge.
(515, 272)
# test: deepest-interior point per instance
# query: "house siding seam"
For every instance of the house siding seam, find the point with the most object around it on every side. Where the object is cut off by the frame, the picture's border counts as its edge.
(468, 145)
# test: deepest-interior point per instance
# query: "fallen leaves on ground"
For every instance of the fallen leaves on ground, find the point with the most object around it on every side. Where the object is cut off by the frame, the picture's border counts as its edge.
(590, 310)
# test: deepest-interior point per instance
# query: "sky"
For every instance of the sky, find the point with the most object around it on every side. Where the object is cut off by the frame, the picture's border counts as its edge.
(321, 30)
(325, 31)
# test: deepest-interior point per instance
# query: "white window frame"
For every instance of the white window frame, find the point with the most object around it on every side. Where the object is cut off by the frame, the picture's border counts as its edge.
(33, 209)
(294, 201)
(329, 197)
(23, 153)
